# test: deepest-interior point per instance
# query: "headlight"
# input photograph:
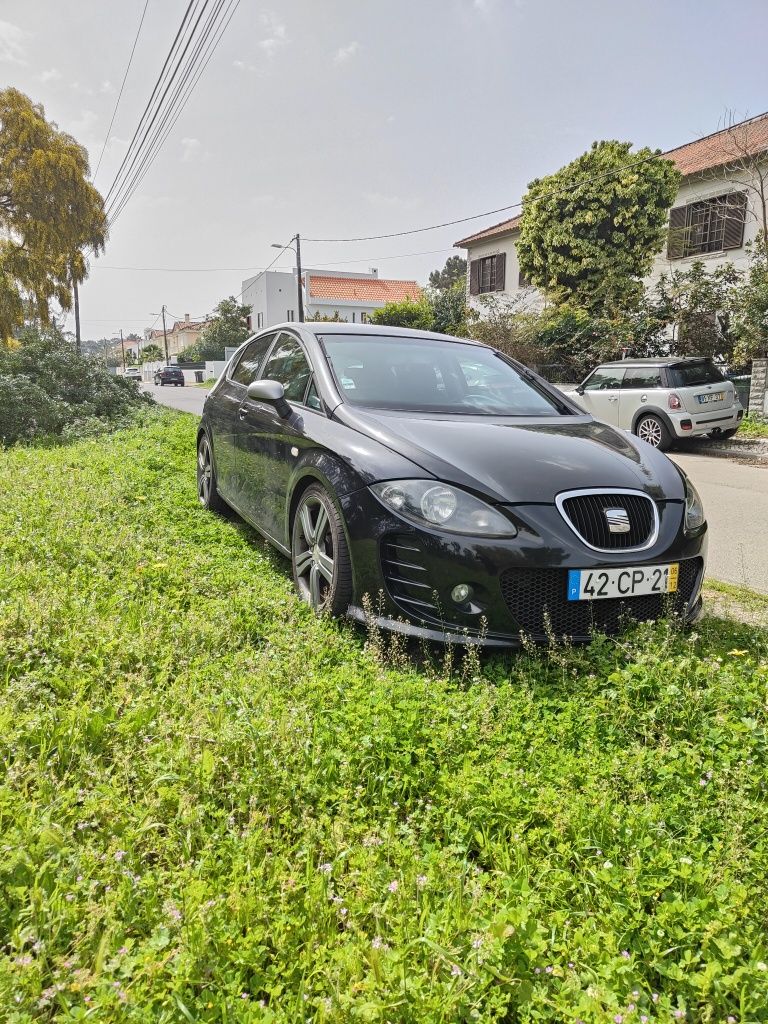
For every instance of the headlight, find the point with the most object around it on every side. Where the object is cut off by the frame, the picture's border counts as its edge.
(694, 509)
(427, 502)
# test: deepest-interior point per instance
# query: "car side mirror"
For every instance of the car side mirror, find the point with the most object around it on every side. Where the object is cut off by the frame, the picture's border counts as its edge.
(271, 391)
(580, 389)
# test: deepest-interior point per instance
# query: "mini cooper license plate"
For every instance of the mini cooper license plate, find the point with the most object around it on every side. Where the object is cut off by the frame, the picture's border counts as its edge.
(716, 396)
(594, 584)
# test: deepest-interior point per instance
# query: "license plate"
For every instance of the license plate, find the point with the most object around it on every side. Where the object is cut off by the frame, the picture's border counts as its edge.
(715, 396)
(595, 584)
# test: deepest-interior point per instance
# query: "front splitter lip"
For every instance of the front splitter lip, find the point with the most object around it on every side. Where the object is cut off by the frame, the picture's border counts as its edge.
(480, 640)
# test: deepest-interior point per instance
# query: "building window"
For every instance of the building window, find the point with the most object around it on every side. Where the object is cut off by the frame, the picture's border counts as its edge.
(487, 274)
(708, 225)
(259, 321)
(289, 318)
(522, 281)
(354, 318)
(363, 318)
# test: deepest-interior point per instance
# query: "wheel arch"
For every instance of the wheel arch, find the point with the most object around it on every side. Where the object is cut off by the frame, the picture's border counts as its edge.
(653, 410)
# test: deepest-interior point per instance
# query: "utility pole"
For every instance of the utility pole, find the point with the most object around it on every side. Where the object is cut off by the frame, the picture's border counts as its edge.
(77, 318)
(122, 346)
(298, 279)
(165, 339)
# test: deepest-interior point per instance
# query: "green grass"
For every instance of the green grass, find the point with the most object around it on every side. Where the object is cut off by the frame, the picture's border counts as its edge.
(750, 427)
(207, 384)
(215, 807)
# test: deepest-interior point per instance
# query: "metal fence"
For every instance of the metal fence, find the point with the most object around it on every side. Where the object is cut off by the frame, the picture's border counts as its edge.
(559, 373)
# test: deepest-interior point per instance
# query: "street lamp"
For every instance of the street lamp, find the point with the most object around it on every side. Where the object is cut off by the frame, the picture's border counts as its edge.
(297, 250)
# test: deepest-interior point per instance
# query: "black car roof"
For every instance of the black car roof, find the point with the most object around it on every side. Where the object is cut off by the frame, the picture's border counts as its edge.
(659, 361)
(320, 327)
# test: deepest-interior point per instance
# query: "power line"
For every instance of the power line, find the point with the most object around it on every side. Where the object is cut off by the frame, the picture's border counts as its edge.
(203, 52)
(120, 94)
(518, 205)
(245, 270)
(151, 99)
(182, 102)
(178, 60)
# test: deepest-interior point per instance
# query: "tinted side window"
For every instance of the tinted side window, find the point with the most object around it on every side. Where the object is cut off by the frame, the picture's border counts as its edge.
(313, 399)
(247, 369)
(641, 378)
(604, 379)
(289, 366)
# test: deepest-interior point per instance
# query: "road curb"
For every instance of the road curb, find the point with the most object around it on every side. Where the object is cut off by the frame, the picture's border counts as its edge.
(745, 451)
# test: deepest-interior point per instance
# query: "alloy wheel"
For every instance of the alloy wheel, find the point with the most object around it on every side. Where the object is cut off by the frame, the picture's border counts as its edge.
(313, 552)
(649, 430)
(204, 473)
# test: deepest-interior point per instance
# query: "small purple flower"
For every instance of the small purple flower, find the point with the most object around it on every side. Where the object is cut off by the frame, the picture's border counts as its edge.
(378, 942)
(548, 969)
(537, 970)
(655, 997)
(630, 1007)
(571, 964)
(421, 881)
(119, 854)
(643, 1019)
(122, 951)
(679, 1014)
(730, 1020)
(618, 1019)
(456, 971)
(625, 954)
(326, 868)
(393, 885)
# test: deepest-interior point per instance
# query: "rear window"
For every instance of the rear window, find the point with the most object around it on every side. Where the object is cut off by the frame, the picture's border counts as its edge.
(691, 375)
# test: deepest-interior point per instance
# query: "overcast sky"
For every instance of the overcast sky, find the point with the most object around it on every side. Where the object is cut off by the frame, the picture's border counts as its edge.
(353, 117)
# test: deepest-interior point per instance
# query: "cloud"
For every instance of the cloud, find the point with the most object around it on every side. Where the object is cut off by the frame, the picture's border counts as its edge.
(344, 53)
(53, 75)
(192, 149)
(276, 34)
(244, 65)
(83, 124)
(12, 48)
(106, 87)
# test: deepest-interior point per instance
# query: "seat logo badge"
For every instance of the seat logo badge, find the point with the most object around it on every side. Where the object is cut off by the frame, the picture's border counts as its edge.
(618, 520)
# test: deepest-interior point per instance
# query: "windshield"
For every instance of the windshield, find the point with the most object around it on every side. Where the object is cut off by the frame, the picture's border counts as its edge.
(422, 375)
(694, 374)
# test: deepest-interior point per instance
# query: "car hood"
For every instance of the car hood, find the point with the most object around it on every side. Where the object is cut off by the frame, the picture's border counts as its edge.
(520, 460)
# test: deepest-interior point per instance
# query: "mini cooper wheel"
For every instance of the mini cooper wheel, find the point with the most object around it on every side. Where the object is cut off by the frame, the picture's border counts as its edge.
(654, 432)
(322, 570)
(207, 494)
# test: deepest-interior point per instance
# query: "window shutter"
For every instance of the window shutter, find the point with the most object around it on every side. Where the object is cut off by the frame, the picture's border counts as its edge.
(474, 277)
(734, 215)
(501, 264)
(676, 237)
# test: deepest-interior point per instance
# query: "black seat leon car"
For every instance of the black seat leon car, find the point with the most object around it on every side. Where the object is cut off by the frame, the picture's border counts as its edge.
(170, 375)
(465, 496)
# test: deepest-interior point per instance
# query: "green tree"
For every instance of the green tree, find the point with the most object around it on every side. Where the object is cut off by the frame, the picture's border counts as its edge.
(228, 328)
(49, 213)
(589, 232)
(698, 307)
(326, 319)
(751, 306)
(151, 353)
(449, 309)
(454, 272)
(416, 315)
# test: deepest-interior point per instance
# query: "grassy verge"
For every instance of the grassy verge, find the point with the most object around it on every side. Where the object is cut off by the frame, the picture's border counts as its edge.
(215, 807)
(750, 427)
(207, 384)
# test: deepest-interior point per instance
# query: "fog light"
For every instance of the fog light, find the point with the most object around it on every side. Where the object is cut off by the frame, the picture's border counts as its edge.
(461, 593)
(686, 425)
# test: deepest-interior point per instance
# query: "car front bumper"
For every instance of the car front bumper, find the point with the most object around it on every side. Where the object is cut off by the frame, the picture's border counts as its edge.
(404, 576)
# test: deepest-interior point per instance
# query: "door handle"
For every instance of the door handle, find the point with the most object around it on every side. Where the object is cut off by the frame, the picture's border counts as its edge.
(613, 398)
(242, 413)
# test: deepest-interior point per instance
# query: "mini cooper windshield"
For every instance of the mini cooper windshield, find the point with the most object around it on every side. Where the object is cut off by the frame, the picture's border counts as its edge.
(426, 375)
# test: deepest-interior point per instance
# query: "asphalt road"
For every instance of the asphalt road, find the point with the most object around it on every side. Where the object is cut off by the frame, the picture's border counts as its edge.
(735, 498)
(188, 398)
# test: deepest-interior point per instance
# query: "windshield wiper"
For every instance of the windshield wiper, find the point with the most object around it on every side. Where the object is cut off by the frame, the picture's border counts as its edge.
(534, 381)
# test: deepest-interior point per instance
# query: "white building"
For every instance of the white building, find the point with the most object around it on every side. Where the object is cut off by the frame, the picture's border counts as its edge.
(273, 296)
(718, 211)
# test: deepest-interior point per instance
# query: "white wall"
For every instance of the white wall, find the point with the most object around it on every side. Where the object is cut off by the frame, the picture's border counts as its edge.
(492, 247)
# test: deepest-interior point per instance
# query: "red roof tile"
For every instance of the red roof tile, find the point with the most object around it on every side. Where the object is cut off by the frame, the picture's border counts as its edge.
(747, 138)
(361, 289)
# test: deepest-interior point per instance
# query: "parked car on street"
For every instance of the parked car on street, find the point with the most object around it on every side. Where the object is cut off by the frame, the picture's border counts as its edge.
(132, 373)
(453, 488)
(663, 400)
(170, 375)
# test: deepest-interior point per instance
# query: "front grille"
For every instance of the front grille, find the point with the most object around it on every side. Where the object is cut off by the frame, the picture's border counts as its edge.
(585, 514)
(537, 601)
(407, 579)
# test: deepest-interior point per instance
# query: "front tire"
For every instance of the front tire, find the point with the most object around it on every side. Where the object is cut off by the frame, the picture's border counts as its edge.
(207, 494)
(322, 567)
(654, 432)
